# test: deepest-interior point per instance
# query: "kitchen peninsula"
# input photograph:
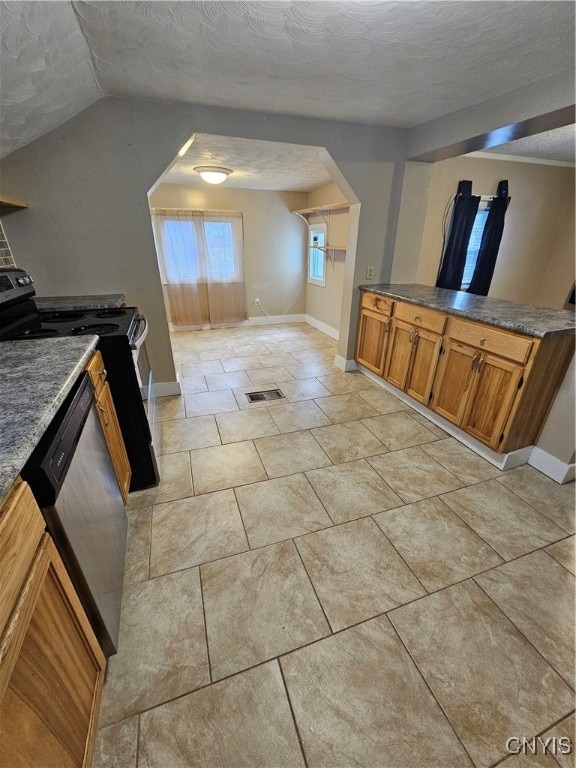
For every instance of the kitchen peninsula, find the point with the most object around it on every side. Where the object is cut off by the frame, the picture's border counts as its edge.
(47, 643)
(488, 366)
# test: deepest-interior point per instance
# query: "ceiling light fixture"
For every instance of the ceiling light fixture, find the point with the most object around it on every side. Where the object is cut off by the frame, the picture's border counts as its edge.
(212, 173)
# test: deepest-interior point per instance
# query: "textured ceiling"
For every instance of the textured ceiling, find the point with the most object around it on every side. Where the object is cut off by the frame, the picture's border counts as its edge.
(388, 63)
(255, 164)
(557, 145)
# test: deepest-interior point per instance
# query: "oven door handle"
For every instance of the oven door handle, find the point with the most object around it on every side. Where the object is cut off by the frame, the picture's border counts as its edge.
(140, 334)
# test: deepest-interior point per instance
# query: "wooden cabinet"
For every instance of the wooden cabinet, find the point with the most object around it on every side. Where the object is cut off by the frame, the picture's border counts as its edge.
(495, 384)
(373, 332)
(476, 390)
(51, 666)
(414, 347)
(109, 422)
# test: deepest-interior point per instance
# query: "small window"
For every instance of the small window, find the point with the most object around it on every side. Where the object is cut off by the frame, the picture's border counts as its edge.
(316, 254)
(474, 243)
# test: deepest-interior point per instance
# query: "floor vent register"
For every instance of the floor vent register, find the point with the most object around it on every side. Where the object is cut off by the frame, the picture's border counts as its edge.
(268, 394)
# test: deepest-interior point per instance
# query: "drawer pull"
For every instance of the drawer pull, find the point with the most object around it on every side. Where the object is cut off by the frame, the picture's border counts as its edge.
(416, 317)
(103, 373)
(104, 415)
(482, 340)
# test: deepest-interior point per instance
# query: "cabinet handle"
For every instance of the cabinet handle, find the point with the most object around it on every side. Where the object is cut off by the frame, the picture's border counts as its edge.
(415, 337)
(387, 326)
(482, 340)
(105, 415)
(474, 361)
(103, 373)
(410, 337)
(480, 363)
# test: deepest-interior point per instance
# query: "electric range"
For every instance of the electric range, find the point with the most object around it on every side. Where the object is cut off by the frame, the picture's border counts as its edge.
(121, 333)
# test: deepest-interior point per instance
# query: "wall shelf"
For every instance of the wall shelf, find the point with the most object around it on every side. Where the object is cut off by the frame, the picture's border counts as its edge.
(343, 206)
(329, 247)
(11, 205)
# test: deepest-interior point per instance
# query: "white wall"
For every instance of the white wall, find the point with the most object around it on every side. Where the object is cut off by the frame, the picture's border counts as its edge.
(324, 303)
(535, 262)
(88, 226)
(274, 239)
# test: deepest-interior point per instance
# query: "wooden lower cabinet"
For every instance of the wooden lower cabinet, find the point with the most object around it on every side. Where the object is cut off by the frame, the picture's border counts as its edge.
(412, 356)
(372, 340)
(51, 666)
(114, 440)
(495, 384)
(109, 421)
(475, 391)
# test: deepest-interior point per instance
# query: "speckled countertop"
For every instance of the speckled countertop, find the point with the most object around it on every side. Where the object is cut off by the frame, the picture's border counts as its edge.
(35, 377)
(58, 303)
(522, 318)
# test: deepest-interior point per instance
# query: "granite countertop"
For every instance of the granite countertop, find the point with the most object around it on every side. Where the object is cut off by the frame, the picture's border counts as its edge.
(35, 377)
(96, 301)
(521, 318)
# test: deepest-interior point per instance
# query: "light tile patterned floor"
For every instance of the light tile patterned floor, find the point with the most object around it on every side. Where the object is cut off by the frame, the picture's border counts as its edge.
(331, 580)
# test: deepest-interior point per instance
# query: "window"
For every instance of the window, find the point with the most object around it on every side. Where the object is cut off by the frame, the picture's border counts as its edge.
(199, 246)
(474, 243)
(317, 256)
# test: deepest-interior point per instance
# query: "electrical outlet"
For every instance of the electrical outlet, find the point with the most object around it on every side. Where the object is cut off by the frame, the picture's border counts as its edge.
(369, 273)
(257, 302)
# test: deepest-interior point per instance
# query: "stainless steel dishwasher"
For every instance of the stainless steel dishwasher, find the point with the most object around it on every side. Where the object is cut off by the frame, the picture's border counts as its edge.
(72, 477)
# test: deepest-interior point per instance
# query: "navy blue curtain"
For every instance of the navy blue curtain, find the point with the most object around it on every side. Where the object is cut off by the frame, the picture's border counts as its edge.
(454, 256)
(490, 243)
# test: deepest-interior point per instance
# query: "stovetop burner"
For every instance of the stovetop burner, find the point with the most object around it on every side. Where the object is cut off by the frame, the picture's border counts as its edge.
(63, 317)
(98, 329)
(110, 313)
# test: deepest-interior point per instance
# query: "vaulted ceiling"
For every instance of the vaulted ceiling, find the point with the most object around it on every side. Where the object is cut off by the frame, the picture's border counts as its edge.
(388, 63)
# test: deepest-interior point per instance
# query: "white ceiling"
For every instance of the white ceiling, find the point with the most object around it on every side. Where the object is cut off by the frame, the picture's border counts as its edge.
(557, 145)
(388, 63)
(254, 164)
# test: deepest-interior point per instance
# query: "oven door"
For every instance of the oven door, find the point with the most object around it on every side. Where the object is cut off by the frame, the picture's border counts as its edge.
(145, 378)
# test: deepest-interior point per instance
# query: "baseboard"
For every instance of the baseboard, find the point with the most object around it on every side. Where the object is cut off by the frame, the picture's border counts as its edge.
(167, 388)
(500, 460)
(275, 319)
(344, 365)
(551, 466)
(334, 333)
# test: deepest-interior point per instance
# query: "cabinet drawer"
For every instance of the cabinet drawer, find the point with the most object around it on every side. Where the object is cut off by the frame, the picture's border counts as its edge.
(21, 528)
(96, 371)
(377, 303)
(498, 342)
(423, 318)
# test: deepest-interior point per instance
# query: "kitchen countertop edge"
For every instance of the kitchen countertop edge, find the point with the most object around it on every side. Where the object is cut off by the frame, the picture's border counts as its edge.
(539, 322)
(32, 388)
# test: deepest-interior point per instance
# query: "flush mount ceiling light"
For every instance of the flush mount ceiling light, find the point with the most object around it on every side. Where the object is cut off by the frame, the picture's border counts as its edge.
(212, 173)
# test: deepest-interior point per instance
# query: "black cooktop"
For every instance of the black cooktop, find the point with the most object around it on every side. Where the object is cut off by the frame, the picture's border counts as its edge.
(117, 323)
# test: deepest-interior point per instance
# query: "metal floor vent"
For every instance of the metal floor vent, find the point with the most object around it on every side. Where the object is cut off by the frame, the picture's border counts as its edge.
(268, 394)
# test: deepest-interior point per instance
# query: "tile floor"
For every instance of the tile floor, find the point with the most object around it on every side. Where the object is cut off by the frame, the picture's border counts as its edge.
(331, 580)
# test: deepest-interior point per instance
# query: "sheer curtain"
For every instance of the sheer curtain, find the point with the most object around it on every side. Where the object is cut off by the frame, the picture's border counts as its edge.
(201, 265)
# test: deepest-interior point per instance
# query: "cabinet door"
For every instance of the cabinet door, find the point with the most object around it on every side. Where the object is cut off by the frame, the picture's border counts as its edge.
(493, 391)
(114, 440)
(453, 381)
(372, 340)
(51, 672)
(400, 354)
(426, 350)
